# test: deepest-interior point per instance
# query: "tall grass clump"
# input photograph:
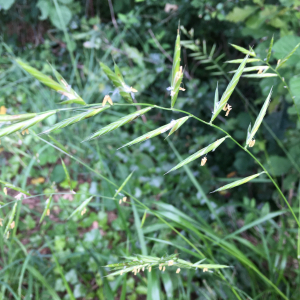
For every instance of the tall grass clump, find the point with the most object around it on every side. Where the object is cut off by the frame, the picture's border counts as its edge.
(169, 215)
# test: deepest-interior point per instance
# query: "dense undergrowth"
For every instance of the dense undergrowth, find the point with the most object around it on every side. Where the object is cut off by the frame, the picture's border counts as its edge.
(249, 228)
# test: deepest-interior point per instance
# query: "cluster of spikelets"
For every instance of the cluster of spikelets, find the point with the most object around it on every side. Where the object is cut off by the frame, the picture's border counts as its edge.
(138, 263)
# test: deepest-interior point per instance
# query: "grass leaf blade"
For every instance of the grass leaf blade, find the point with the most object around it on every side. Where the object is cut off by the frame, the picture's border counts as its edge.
(80, 207)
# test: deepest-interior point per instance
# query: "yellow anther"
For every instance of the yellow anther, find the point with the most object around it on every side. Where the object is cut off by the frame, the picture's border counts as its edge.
(107, 99)
(83, 211)
(160, 267)
(149, 269)
(124, 199)
(170, 263)
(12, 225)
(133, 90)
(251, 143)
(225, 107)
(164, 269)
(205, 269)
(203, 161)
(48, 212)
(5, 191)
(178, 270)
(120, 201)
(229, 108)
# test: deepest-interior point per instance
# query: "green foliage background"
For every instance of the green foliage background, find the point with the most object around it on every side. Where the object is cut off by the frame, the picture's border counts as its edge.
(79, 247)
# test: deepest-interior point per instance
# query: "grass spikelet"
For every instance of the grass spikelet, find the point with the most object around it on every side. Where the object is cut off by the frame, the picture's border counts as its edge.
(117, 124)
(281, 62)
(199, 153)
(61, 86)
(13, 118)
(158, 131)
(270, 49)
(140, 262)
(25, 124)
(243, 50)
(122, 186)
(46, 211)
(11, 218)
(118, 81)
(258, 121)
(81, 208)
(236, 183)
(231, 86)
(11, 186)
(70, 121)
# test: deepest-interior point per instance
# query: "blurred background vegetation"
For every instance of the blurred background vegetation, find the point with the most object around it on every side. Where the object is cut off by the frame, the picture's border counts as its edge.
(247, 228)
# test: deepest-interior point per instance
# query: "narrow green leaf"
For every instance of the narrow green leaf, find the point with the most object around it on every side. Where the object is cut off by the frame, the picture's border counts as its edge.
(263, 75)
(25, 124)
(80, 207)
(47, 206)
(67, 174)
(238, 61)
(144, 218)
(270, 49)
(212, 51)
(259, 119)
(117, 81)
(12, 118)
(151, 134)
(230, 88)
(61, 272)
(178, 124)
(11, 218)
(237, 183)
(85, 115)
(250, 69)
(118, 123)
(123, 184)
(199, 153)
(44, 282)
(283, 61)
(11, 186)
(243, 50)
